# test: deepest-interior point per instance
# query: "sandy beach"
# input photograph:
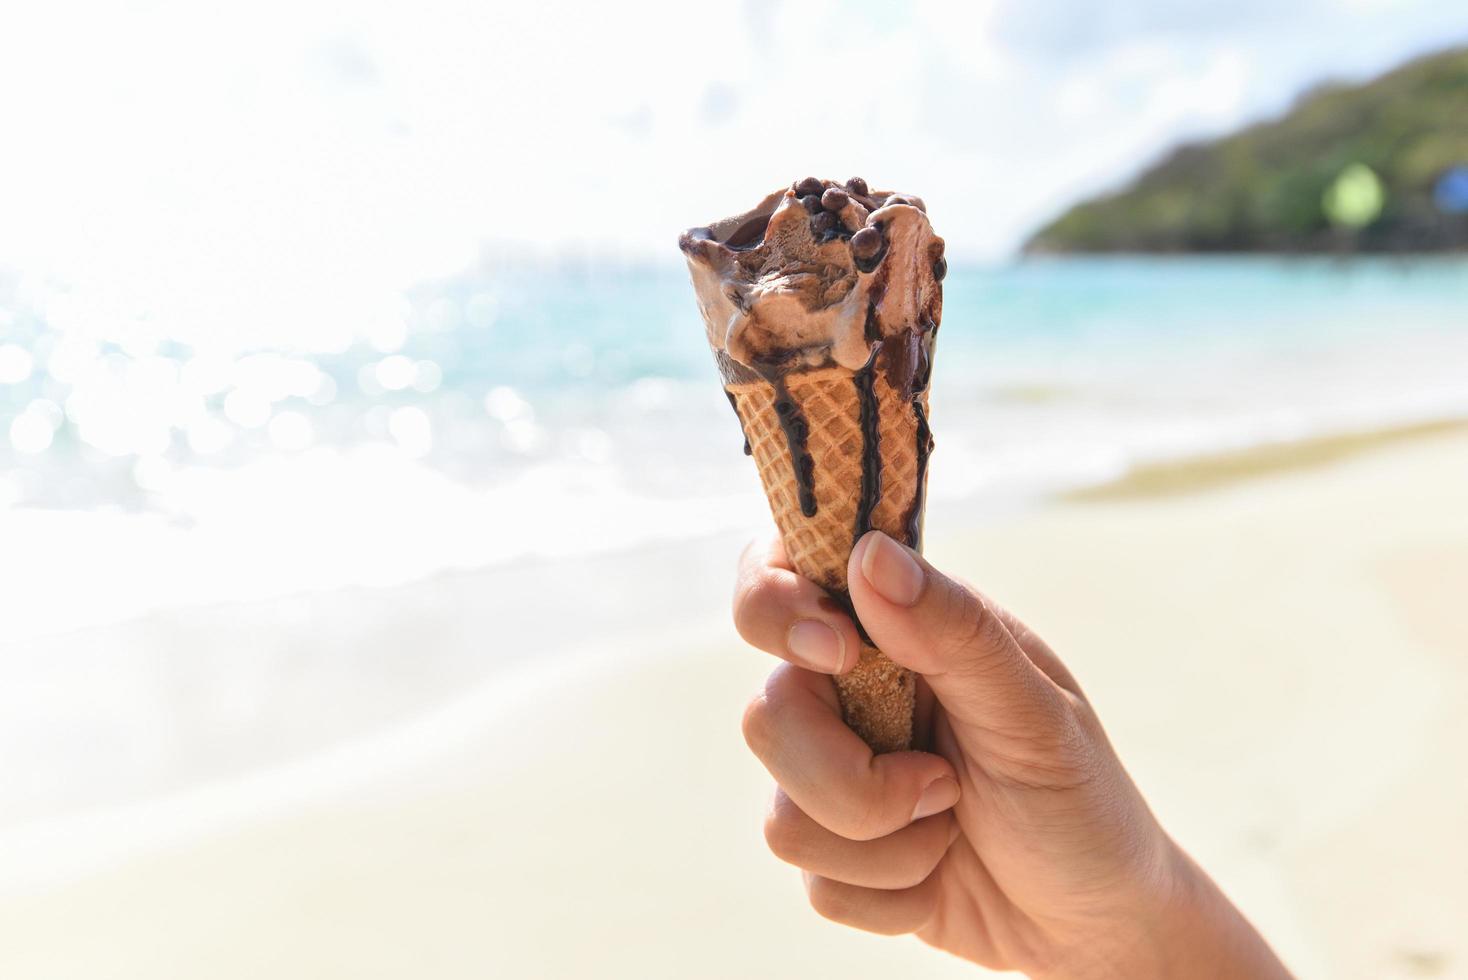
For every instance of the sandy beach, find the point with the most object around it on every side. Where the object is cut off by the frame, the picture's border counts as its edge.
(1278, 652)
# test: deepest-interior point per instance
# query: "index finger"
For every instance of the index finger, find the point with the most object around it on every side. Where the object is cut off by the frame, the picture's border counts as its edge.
(778, 611)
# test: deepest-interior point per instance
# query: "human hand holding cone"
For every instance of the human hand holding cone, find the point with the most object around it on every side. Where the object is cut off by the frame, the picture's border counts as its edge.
(822, 304)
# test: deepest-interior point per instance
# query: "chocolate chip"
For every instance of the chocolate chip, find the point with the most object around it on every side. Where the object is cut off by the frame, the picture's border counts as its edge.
(895, 199)
(809, 185)
(857, 186)
(940, 269)
(812, 203)
(823, 225)
(834, 199)
(865, 244)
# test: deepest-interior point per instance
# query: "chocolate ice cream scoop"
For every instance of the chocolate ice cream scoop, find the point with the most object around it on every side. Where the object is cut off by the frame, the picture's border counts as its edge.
(799, 283)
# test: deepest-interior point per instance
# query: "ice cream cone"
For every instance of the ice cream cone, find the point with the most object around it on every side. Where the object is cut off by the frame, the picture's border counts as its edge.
(877, 695)
(821, 305)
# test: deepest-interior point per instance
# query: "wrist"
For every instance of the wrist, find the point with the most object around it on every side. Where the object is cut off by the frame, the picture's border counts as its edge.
(1208, 936)
(1175, 923)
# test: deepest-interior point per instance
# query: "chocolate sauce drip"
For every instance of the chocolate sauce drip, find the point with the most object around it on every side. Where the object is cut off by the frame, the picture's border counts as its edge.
(871, 449)
(795, 426)
(872, 328)
(797, 437)
(922, 373)
(734, 404)
(903, 360)
(922, 353)
(913, 523)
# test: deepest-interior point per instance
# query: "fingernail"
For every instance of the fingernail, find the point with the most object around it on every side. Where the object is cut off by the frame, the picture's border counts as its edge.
(817, 645)
(891, 571)
(941, 794)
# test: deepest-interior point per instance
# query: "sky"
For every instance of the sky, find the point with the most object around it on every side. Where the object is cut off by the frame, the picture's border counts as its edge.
(264, 174)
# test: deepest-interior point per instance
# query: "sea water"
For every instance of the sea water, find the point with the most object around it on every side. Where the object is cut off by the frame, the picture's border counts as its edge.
(555, 409)
(540, 423)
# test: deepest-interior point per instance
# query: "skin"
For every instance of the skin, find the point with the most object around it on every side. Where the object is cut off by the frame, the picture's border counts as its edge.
(1019, 841)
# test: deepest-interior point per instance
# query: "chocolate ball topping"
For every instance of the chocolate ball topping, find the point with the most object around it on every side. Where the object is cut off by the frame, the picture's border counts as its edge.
(810, 185)
(812, 203)
(865, 244)
(857, 186)
(834, 199)
(823, 225)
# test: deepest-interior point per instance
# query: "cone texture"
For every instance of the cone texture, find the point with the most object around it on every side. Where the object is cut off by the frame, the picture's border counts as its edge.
(877, 696)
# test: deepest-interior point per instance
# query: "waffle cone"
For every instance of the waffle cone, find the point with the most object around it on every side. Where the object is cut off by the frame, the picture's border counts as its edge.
(877, 696)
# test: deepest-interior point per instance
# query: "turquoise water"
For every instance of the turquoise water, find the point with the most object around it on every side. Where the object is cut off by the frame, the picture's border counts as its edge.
(586, 392)
(564, 329)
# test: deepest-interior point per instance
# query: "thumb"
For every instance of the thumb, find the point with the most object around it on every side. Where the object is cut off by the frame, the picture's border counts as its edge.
(1000, 704)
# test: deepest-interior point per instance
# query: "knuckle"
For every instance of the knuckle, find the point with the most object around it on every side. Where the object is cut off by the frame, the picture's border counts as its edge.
(923, 906)
(1085, 716)
(756, 723)
(831, 900)
(925, 861)
(782, 832)
(754, 597)
(1076, 748)
(968, 630)
(1059, 755)
(1066, 742)
(914, 871)
(746, 594)
(760, 723)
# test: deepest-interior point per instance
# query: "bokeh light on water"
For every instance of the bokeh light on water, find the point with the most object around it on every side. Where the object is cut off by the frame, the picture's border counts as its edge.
(604, 374)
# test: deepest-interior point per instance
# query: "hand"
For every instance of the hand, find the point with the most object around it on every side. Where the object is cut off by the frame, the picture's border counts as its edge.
(1019, 841)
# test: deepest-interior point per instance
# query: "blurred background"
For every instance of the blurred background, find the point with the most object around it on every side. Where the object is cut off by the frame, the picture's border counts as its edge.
(368, 501)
